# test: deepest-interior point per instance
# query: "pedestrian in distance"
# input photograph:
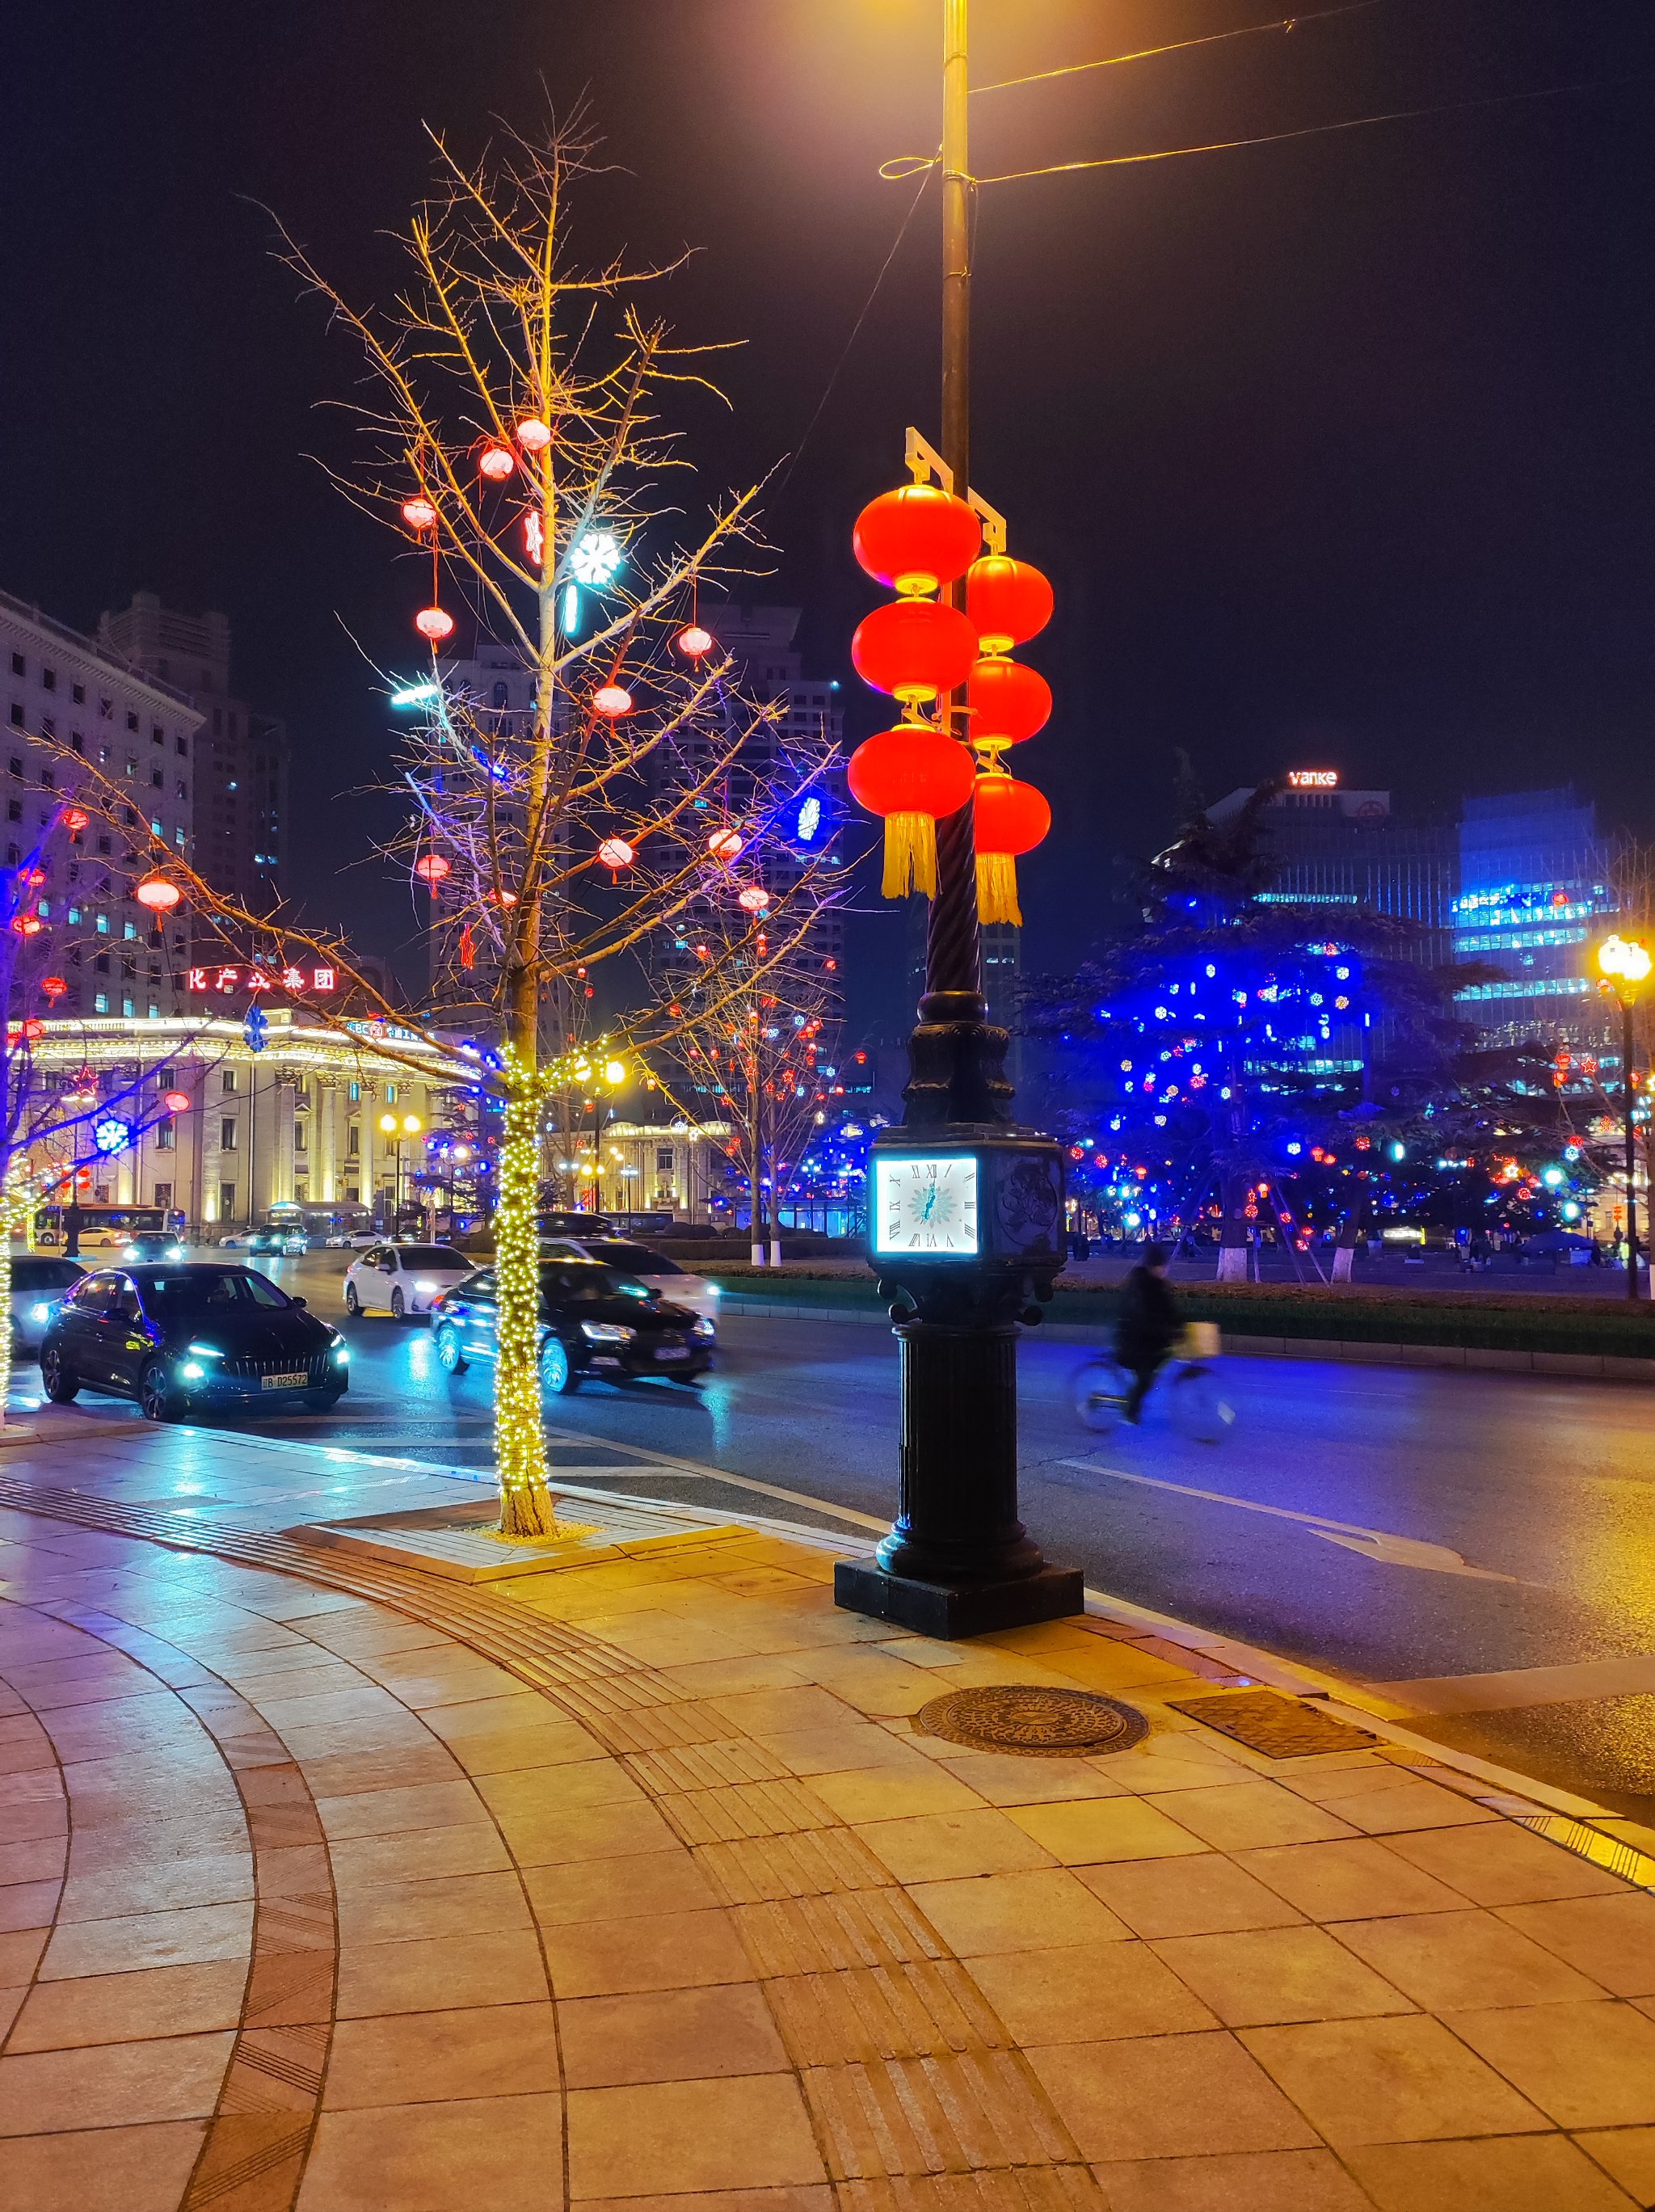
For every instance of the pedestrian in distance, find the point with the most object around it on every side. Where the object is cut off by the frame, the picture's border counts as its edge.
(1147, 1326)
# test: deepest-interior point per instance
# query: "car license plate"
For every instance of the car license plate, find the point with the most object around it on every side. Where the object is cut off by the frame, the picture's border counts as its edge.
(287, 1382)
(672, 1351)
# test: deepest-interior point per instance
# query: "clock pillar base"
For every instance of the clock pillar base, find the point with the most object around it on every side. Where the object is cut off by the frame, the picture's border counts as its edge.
(950, 1610)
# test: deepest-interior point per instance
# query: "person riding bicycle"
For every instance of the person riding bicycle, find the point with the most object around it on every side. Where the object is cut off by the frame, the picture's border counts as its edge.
(1147, 1326)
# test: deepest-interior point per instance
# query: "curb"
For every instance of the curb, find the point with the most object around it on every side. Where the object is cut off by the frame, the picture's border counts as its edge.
(1584, 1367)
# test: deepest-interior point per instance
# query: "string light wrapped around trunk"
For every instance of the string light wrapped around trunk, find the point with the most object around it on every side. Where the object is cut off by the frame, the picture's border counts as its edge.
(520, 1444)
(913, 777)
(1008, 818)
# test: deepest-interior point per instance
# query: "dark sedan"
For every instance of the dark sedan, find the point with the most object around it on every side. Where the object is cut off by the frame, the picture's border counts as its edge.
(179, 1339)
(593, 1322)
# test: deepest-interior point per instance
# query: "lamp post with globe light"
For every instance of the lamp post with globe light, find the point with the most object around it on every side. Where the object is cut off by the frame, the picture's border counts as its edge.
(1625, 963)
(409, 1125)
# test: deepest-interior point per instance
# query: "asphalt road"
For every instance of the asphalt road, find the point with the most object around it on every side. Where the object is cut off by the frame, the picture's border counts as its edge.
(1391, 1525)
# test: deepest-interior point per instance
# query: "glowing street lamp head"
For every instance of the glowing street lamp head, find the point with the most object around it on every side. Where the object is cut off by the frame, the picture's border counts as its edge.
(595, 559)
(388, 1123)
(1625, 961)
(412, 1125)
(614, 1070)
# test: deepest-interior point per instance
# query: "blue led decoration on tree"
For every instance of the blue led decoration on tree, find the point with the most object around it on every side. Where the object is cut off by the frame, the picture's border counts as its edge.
(1237, 1061)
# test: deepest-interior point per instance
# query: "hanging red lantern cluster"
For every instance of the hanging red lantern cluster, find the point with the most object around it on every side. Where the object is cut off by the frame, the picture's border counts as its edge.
(1009, 603)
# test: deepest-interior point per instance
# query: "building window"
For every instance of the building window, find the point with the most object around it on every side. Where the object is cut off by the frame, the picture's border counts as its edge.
(353, 1141)
(227, 1129)
(77, 744)
(19, 666)
(17, 714)
(355, 1093)
(227, 1202)
(77, 693)
(158, 778)
(103, 963)
(100, 1003)
(49, 678)
(131, 763)
(300, 1141)
(182, 746)
(102, 925)
(129, 1007)
(131, 720)
(48, 778)
(14, 810)
(157, 735)
(130, 929)
(391, 1093)
(164, 1193)
(229, 1081)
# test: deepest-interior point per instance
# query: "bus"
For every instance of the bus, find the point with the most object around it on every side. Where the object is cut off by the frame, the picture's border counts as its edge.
(100, 1225)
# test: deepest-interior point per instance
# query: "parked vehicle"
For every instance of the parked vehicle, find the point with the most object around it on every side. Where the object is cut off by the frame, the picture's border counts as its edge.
(353, 1240)
(206, 1335)
(402, 1278)
(593, 1322)
(652, 1269)
(37, 1286)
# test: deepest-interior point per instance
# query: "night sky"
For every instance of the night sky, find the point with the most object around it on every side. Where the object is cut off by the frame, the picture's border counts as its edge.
(1337, 451)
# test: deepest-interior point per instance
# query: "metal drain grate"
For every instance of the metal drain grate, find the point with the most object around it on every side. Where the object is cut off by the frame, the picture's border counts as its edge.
(1034, 1723)
(1282, 1727)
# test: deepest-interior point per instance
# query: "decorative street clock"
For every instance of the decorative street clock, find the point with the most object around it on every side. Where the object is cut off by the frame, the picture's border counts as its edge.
(957, 1197)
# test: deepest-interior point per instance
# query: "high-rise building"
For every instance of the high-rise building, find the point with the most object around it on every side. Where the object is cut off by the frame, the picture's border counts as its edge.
(240, 809)
(1536, 896)
(113, 955)
(1336, 848)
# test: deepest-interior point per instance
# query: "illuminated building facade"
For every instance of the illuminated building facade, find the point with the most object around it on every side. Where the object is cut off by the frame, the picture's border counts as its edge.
(114, 954)
(239, 815)
(297, 1124)
(1336, 848)
(1535, 898)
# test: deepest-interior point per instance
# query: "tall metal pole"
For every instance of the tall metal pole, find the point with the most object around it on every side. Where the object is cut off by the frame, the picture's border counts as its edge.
(1627, 1098)
(958, 1561)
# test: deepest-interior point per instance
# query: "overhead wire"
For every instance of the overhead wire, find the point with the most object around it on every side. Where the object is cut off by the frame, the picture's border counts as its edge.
(1318, 130)
(1178, 46)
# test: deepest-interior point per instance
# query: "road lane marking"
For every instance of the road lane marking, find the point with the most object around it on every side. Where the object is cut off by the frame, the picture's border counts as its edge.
(1378, 1544)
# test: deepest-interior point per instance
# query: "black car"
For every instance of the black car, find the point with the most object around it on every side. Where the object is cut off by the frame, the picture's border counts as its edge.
(153, 1244)
(178, 1338)
(593, 1320)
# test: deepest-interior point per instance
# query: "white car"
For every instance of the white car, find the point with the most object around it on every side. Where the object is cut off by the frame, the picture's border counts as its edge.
(352, 1240)
(674, 1283)
(402, 1279)
(37, 1285)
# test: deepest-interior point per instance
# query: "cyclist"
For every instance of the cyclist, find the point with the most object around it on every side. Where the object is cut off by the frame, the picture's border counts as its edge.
(1147, 1326)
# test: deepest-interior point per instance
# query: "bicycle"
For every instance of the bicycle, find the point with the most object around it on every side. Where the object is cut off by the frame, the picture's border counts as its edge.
(1194, 1397)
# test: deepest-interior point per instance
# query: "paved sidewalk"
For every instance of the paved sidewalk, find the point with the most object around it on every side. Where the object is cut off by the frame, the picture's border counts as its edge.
(635, 1882)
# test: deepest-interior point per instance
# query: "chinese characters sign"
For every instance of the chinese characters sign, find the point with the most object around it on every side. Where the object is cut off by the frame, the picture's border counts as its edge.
(303, 980)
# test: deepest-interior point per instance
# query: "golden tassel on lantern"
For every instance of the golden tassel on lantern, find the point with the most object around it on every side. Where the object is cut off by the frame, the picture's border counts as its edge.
(996, 889)
(910, 855)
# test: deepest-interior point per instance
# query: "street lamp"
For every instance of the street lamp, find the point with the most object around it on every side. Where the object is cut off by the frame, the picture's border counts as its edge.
(409, 1125)
(1626, 963)
(959, 1178)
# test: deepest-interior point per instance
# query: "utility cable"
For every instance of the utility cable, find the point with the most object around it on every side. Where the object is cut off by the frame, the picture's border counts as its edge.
(1179, 47)
(1319, 130)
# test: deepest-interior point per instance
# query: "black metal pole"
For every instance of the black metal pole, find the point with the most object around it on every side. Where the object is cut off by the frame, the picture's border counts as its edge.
(1627, 1095)
(958, 1561)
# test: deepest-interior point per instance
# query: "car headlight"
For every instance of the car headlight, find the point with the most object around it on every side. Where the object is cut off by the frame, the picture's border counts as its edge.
(713, 1291)
(39, 1313)
(426, 1290)
(192, 1372)
(175, 1251)
(206, 1352)
(607, 1332)
(341, 1353)
(131, 1252)
(703, 1328)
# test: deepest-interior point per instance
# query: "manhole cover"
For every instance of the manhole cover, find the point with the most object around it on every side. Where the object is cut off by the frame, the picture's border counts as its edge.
(1035, 1723)
(1282, 1727)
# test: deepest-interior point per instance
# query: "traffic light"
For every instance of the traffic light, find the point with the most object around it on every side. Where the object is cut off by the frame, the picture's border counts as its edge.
(255, 1029)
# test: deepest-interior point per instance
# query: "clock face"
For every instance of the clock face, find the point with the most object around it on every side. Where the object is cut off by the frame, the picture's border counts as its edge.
(926, 1206)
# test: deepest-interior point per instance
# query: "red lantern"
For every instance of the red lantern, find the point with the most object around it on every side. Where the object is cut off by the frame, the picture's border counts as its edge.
(432, 867)
(419, 513)
(157, 894)
(176, 1101)
(694, 643)
(533, 435)
(34, 878)
(54, 986)
(76, 820)
(914, 648)
(1008, 818)
(1009, 601)
(27, 925)
(612, 701)
(434, 623)
(917, 540)
(915, 777)
(726, 845)
(34, 1029)
(1009, 703)
(496, 462)
(616, 852)
(754, 899)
